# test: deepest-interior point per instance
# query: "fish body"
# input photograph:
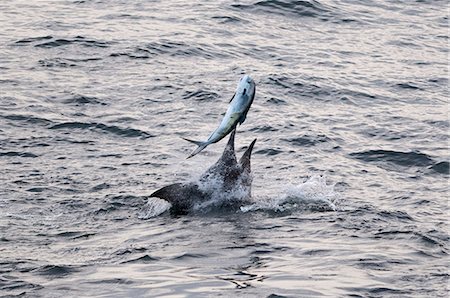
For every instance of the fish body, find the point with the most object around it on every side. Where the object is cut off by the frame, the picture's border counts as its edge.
(236, 113)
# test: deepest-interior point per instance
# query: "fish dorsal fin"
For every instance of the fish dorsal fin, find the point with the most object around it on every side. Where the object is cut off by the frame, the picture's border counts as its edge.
(226, 163)
(232, 97)
(230, 143)
(228, 153)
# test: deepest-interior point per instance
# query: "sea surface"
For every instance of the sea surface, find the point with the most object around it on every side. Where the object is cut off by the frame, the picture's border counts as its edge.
(350, 169)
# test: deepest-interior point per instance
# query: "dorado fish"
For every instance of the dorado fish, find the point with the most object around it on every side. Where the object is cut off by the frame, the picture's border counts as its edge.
(236, 113)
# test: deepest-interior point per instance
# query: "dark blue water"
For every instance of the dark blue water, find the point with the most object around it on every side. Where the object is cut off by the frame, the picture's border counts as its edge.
(351, 166)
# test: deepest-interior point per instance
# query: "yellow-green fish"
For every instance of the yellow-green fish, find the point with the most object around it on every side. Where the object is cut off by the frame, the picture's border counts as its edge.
(237, 112)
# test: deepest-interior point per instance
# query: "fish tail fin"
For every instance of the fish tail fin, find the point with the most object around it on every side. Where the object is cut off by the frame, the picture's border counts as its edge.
(245, 159)
(198, 143)
(201, 145)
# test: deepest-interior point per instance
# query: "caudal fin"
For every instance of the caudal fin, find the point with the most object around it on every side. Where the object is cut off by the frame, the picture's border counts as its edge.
(245, 159)
(169, 192)
(201, 146)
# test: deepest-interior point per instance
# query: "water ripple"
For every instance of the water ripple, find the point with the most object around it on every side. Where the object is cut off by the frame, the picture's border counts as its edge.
(123, 132)
(356, 90)
(55, 271)
(200, 95)
(308, 140)
(298, 8)
(174, 49)
(406, 159)
(19, 154)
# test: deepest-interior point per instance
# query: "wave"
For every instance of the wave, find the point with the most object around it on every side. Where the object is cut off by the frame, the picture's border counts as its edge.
(298, 8)
(175, 49)
(55, 271)
(95, 126)
(407, 159)
(403, 159)
(82, 100)
(28, 119)
(141, 260)
(56, 62)
(64, 62)
(51, 42)
(28, 40)
(77, 40)
(311, 89)
(18, 154)
(200, 95)
(263, 128)
(308, 140)
(276, 101)
(424, 238)
(123, 132)
(74, 234)
(130, 250)
(442, 167)
(229, 19)
(268, 151)
(407, 85)
(15, 286)
(116, 205)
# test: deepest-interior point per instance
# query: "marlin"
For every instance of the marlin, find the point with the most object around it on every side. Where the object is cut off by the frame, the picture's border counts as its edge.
(236, 113)
(227, 181)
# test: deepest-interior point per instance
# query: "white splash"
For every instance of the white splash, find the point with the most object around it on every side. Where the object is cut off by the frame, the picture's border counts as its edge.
(313, 194)
(153, 208)
(220, 194)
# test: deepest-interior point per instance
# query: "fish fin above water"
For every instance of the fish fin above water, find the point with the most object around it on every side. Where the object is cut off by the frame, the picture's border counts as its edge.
(228, 155)
(230, 144)
(180, 195)
(245, 159)
(201, 145)
(167, 192)
(198, 143)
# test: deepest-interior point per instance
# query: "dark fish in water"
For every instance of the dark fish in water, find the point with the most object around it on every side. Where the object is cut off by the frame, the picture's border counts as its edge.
(228, 178)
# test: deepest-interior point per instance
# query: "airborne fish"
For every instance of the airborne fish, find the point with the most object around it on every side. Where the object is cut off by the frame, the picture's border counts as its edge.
(236, 113)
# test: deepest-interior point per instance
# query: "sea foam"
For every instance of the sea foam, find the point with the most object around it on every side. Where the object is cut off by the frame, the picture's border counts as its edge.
(313, 194)
(153, 208)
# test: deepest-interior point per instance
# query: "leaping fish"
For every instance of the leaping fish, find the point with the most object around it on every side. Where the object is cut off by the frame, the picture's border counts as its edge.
(236, 113)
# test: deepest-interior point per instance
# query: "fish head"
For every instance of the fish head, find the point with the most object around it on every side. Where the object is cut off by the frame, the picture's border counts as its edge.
(246, 86)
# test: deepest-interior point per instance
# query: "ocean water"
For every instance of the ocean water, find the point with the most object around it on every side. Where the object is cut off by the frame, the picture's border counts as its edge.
(350, 170)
